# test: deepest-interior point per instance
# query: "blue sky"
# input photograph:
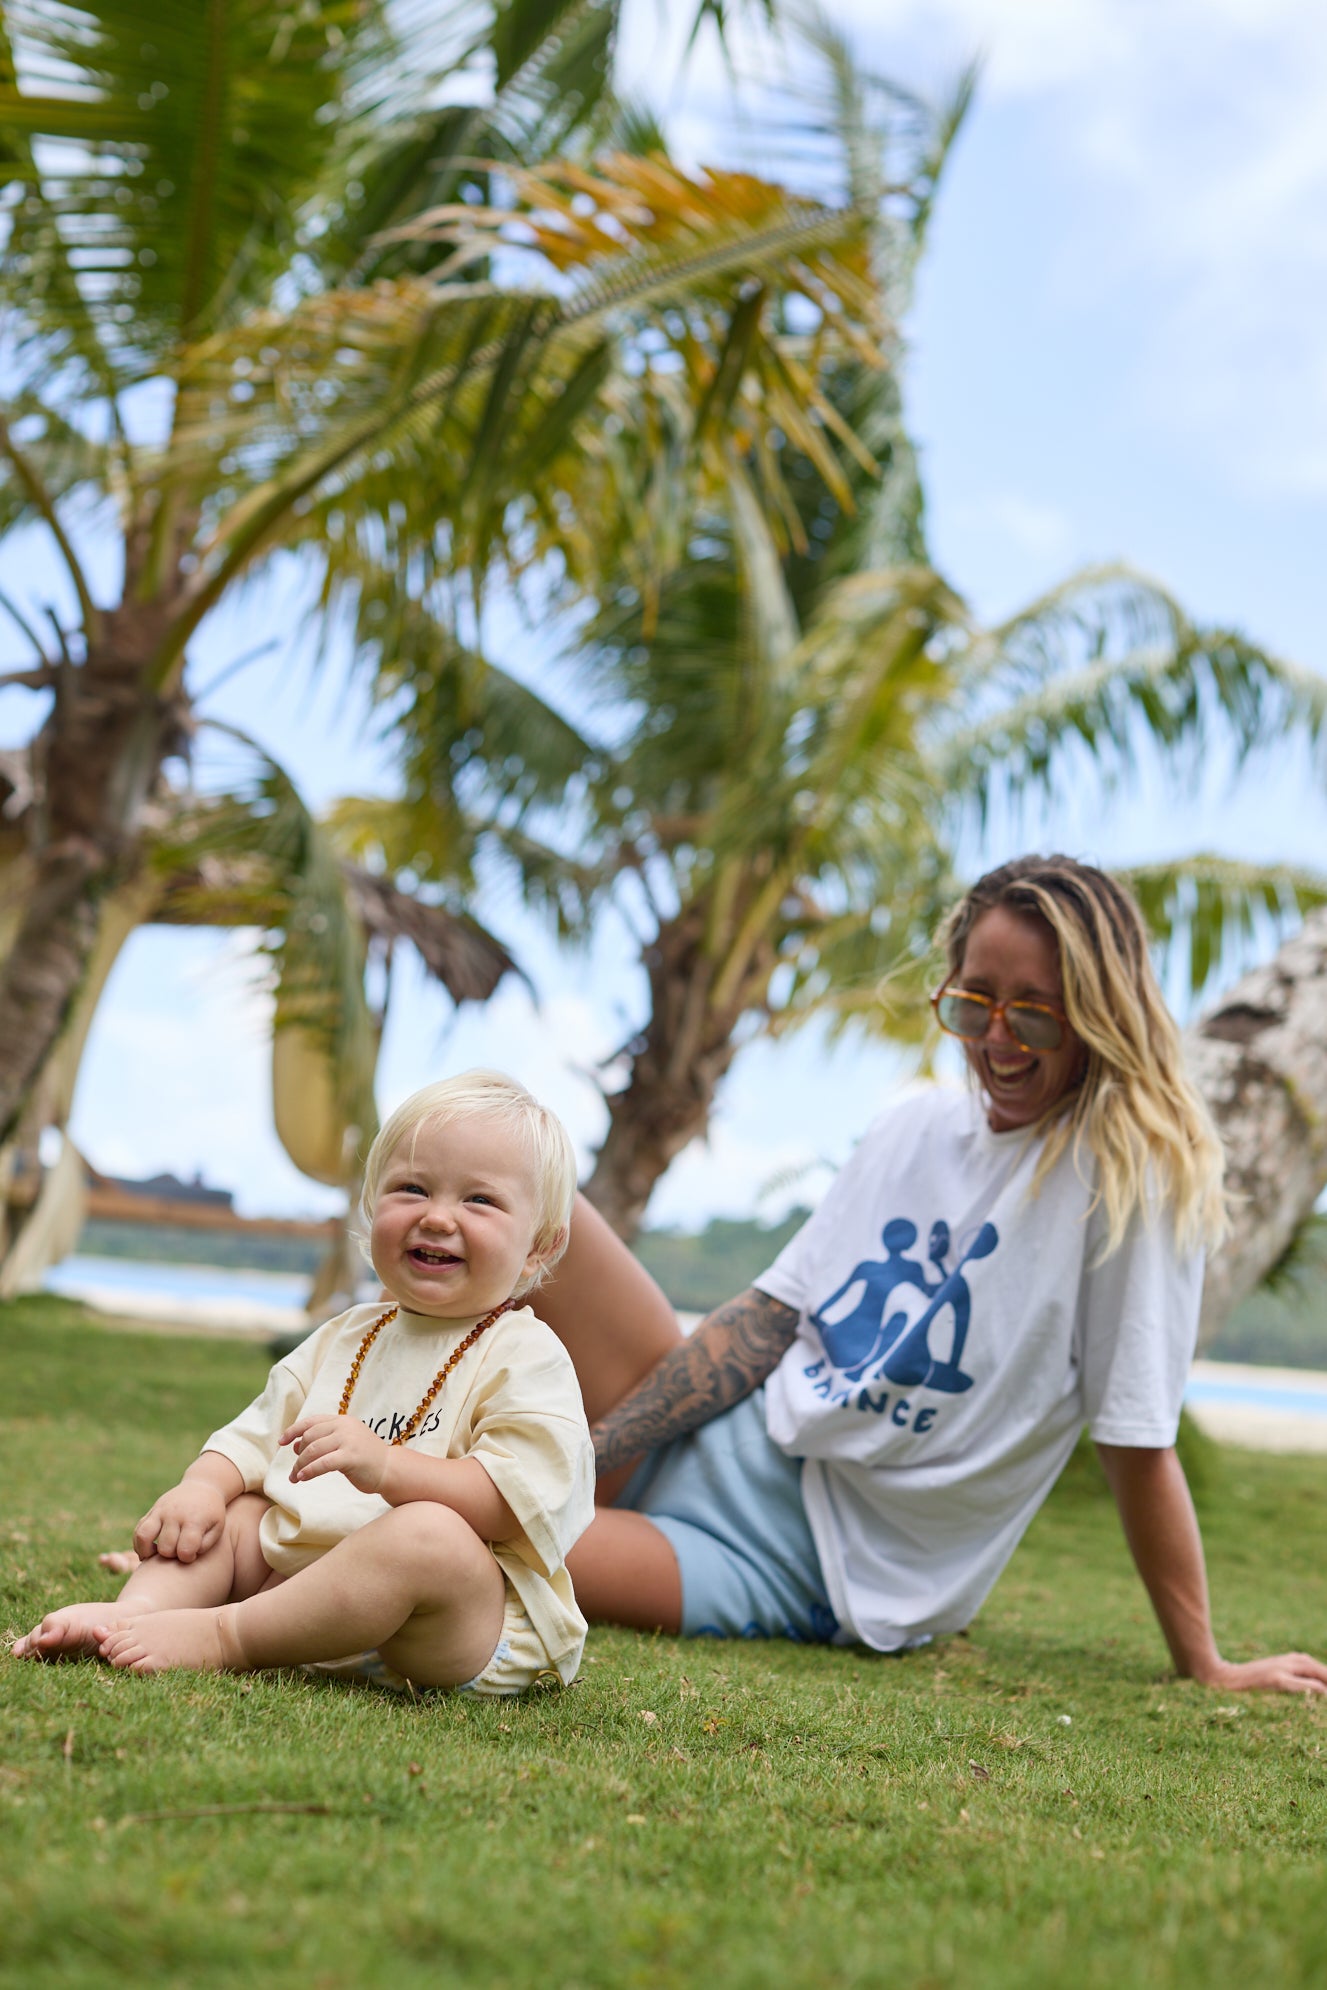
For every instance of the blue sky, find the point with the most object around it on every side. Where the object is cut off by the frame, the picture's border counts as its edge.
(1116, 351)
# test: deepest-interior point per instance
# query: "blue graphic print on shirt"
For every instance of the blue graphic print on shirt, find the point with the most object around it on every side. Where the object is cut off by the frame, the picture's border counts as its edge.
(869, 1339)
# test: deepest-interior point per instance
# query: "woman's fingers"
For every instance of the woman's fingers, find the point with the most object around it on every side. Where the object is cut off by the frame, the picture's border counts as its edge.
(1287, 1672)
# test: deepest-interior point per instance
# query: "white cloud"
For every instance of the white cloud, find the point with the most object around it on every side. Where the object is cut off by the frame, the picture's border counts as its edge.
(724, 1176)
(177, 1074)
(1190, 137)
(1040, 531)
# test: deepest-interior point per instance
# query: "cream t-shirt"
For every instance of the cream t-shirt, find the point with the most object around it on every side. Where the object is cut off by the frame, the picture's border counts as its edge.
(512, 1403)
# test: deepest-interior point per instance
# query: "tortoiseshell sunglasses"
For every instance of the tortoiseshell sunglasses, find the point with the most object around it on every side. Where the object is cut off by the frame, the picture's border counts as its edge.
(961, 1012)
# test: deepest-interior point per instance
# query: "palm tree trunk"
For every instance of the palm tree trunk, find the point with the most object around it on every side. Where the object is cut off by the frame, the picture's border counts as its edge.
(1260, 1060)
(98, 757)
(677, 1063)
(44, 970)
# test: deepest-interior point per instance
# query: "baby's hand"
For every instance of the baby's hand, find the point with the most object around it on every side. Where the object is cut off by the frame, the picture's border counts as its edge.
(338, 1444)
(183, 1524)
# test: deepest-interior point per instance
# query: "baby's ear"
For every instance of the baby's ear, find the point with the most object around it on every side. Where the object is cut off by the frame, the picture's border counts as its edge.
(555, 1246)
(543, 1258)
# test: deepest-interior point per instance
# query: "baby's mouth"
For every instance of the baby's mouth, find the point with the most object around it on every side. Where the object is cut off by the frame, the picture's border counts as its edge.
(423, 1256)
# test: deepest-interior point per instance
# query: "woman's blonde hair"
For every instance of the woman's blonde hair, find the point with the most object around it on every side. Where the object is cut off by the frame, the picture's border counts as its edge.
(489, 1095)
(1135, 1109)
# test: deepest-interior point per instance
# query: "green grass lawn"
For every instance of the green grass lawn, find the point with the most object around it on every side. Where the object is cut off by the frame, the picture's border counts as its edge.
(1033, 1804)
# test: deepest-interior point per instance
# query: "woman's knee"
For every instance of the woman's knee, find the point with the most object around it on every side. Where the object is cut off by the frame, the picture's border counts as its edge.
(625, 1571)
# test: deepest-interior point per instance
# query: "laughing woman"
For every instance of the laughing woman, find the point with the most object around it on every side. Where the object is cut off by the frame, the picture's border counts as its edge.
(851, 1451)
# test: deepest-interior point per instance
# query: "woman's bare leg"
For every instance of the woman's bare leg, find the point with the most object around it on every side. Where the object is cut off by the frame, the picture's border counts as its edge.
(625, 1572)
(417, 1584)
(607, 1311)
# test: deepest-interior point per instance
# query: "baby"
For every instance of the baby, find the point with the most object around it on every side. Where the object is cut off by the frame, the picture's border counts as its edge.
(402, 1496)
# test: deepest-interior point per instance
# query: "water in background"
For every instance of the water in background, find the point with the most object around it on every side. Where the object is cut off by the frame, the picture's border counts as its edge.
(209, 1297)
(132, 1276)
(1271, 1407)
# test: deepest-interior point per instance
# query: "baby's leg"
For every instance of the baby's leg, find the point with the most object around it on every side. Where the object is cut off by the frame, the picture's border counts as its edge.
(233, 1568)
(417, 1584)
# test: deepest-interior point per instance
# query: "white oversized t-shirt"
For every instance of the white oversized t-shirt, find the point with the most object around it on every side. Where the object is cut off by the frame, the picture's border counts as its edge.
(954, 1338)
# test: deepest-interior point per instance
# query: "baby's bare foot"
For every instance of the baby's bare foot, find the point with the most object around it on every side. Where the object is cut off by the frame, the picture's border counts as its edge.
(120, 1561)
(73, 1632)
(164, 1639)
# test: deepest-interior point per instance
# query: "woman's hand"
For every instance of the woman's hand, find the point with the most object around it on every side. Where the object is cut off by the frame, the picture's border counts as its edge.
(1162, 1531)
(338, 1444)
(184, 1523)
(1288, 1672)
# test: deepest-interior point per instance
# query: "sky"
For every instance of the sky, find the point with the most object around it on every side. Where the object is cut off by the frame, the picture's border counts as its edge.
(1116, 351)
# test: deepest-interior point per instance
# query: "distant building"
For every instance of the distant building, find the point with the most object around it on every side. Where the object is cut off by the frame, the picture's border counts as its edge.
(166, 1188)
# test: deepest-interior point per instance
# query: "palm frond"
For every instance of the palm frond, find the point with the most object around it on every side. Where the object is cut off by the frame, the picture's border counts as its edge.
(257, 856)
(1101, 663)
(300, 408)
(187, 144)
(456, 950)
(552, 69)
(68, 464)
(1205, 911)
(517, 81)
(474, 724)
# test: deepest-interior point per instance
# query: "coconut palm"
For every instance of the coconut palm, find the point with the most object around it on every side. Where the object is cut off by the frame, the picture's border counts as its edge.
(1260, 1056)
(251, 858)
(224, 344)
(769, 742)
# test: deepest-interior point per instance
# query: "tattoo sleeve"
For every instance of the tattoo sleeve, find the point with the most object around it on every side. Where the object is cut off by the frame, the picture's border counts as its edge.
(729, 1355)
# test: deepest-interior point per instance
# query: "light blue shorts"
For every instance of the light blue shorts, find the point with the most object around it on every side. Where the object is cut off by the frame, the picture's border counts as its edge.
(730, 1504)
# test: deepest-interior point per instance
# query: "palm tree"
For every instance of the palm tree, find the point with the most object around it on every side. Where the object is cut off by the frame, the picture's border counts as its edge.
(251, 858)
(773, 738)
(223, 343)
(1260, 1056)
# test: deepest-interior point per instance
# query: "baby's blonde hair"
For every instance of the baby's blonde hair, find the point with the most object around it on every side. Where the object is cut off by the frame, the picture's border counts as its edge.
(490, 1095)
(1135, 1110)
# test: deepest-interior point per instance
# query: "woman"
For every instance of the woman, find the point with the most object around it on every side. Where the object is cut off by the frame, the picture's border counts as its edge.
(851, 1451)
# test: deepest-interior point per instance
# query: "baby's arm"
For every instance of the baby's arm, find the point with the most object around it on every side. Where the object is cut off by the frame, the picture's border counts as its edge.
(188, 1520)
(398, 1475)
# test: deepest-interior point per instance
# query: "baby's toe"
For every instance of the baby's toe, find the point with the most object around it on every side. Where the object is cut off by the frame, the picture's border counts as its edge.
(120, 1561)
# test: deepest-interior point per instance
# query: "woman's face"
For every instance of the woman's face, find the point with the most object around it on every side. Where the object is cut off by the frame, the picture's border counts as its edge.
(1013, 957)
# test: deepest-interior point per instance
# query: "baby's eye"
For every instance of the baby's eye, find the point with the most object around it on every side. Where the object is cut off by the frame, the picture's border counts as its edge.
(480, 1197)
(411, 1188)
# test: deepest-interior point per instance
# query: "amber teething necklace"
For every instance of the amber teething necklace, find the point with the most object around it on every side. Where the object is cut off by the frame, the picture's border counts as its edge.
(409, 1429)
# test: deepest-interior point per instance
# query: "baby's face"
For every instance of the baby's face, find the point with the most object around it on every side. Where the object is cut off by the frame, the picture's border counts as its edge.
(454, 1222)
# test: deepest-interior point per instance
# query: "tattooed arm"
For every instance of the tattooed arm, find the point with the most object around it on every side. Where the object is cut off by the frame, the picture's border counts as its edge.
(729, 1355)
